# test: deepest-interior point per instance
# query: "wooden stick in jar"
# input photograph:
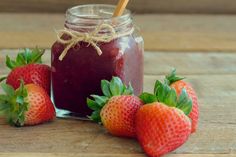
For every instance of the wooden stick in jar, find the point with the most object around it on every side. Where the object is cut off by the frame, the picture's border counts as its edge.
(120, 8)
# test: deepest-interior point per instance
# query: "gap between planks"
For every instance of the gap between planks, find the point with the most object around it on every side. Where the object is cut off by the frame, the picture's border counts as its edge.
(105, 155)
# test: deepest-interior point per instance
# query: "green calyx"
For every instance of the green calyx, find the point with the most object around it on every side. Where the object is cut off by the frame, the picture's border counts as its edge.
(171, 78)
(109, 89)
(13, 105)
(167, 95)
(24, 57)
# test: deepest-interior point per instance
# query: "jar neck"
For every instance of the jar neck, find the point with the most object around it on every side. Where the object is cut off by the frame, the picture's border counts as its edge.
(86, 18)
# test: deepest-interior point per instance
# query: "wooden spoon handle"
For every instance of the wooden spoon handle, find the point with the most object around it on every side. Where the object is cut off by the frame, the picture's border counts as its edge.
(120, 8)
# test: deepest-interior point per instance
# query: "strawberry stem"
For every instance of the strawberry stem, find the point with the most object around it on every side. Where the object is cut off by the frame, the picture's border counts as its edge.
(171, 78)
(2, 78)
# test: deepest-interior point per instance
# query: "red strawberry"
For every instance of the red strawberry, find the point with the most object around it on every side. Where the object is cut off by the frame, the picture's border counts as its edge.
(116, 110)
(163, 126)
(28, 68)
(161, 129)
(28, 105)
(178, 84)
(118, 115)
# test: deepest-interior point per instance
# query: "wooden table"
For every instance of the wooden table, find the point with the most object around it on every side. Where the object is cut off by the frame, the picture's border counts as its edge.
(201, 47)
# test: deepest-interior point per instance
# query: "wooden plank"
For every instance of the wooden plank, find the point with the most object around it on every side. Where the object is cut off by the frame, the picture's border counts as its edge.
(139, 6)
(189, 63)
(105, 155)
(161, 32)
(216, 133)
(70, 155)
(212, 91)
(157, 63)
(188, 32)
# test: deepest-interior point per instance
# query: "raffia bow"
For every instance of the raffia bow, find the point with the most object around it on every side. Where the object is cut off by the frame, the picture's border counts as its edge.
(92, 38)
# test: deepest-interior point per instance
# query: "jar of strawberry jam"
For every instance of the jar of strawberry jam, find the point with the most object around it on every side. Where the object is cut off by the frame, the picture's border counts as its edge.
(93, 46)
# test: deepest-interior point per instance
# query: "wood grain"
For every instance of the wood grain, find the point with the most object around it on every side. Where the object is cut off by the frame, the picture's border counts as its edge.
(105, 155)
(188, 33)
(139, 6)
(171, 36)
(216, 133)
(70, 155)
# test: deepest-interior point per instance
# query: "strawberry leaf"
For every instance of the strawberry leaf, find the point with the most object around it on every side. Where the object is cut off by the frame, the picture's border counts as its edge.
(95, 116)
(37, 55)
(24, 57)
(93, 105)
(171, 78)
(9, 90)
(116, 86)
(27, 54)
(20, 99)
(165, 94)
(171, 98)
(100, 100)
(161, 90)
(184, 102)
(21, 90)
(148, 98)
(13, 104)
(128, 90)
(4, 106)
(10, 63)
(4, 98)
(20, 59)
(106, 88)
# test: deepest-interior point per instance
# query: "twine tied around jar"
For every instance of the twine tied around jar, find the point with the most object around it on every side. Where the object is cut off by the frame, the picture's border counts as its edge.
(92, 38)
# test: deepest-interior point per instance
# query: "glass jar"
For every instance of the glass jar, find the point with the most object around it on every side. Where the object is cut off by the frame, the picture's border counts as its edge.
(79, 73)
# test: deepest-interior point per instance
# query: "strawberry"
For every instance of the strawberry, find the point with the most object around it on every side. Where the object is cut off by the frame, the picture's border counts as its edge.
(162, 124)
(27, 105)
(116, 109)
(28, 67)
(178, 84)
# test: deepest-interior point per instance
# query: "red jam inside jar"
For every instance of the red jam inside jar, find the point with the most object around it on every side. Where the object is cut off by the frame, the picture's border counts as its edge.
(79, 73)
